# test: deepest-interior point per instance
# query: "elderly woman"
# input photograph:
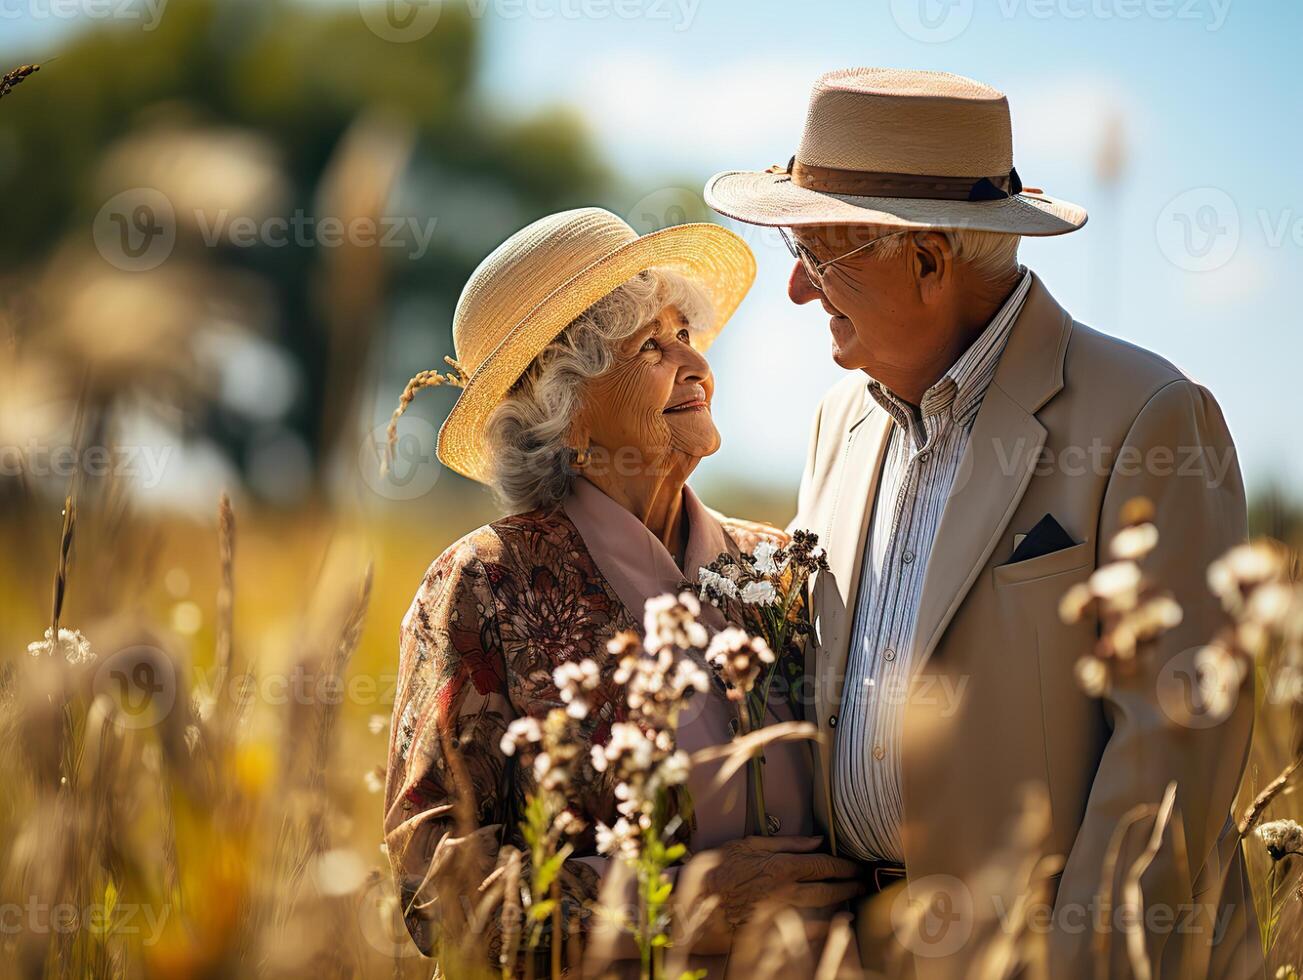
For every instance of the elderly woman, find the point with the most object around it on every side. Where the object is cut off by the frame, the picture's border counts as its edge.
(586, 405)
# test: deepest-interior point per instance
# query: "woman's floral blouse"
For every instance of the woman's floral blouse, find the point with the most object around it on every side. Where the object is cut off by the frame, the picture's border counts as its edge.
(494, 615)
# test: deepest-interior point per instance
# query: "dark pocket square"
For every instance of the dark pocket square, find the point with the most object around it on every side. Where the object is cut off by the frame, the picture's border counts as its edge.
(1045, 538)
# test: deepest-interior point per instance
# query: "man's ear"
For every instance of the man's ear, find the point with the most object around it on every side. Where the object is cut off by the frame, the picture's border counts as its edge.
(933, 261)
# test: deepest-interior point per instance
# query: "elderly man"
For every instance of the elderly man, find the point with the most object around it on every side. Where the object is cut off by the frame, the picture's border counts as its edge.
(977, 462)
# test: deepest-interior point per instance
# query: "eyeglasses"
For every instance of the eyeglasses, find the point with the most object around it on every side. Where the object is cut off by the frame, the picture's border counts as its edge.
(810, 262)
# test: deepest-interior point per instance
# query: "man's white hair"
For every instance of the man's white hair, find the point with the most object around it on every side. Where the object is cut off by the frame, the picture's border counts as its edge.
(528, 432)
(991, 254)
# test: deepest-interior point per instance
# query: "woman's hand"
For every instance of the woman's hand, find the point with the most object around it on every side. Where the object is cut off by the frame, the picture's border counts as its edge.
(732, 880)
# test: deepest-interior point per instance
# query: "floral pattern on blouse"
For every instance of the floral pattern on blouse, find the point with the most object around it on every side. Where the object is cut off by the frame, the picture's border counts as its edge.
(493, 617)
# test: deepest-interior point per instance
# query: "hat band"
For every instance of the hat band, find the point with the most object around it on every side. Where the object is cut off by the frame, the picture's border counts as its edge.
(865, 183)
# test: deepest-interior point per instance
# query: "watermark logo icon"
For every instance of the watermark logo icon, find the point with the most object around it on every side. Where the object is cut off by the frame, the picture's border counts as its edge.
(933, 916)
(381, 922)
(142, 682)
(412, 470)
(1198, 687)
(932, 21)
(401, 21)
(666, 208)
(1199, 229)
(135, 231)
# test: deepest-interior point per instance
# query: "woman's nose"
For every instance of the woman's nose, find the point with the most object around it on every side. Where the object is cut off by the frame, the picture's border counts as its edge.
(799, 287)
(695, 368)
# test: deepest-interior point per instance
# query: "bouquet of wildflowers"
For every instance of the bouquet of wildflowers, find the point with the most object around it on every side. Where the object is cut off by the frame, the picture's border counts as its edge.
(643, 754)
(553, 748)
(767, 589)
(652, 771)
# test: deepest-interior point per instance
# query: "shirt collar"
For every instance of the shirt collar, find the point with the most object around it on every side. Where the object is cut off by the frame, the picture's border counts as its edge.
(632, 559)
(961, 389)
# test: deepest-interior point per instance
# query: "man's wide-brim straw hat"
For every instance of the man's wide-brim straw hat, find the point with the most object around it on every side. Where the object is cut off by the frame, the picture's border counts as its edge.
(540, 279)
(902, 149)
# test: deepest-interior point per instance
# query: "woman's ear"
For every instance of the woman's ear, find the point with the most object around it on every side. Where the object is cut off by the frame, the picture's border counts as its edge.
(933, 262)
(580, 435)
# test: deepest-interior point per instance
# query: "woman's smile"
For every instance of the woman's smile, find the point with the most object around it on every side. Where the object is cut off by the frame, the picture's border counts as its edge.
(695, 402)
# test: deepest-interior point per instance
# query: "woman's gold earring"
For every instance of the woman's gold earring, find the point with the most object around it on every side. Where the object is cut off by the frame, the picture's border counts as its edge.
(582, 457)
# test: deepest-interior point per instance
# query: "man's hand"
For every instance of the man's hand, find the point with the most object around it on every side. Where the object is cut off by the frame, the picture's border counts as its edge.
(745, 873)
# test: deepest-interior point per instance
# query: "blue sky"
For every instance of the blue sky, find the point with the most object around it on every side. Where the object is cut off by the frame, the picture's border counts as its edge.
(1195, 253)
(1207, 95)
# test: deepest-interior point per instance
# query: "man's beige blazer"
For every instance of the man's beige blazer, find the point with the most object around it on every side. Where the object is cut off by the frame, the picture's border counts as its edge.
(1075, 424)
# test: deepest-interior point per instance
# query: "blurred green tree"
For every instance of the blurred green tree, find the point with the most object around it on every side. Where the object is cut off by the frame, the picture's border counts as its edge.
(298, 77)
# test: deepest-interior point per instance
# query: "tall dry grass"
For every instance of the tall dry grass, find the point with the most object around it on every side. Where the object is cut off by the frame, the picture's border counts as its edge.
(167, 814)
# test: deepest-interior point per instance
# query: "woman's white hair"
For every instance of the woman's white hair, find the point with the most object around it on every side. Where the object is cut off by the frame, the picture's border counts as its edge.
(527, 433)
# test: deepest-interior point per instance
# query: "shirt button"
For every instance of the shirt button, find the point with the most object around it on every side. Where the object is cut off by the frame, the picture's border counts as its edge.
(832, 721)
(879, 752)
(889, 655)
(907, 557)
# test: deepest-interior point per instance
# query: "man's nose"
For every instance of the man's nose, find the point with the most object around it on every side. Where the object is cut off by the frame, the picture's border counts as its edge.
(799, 287)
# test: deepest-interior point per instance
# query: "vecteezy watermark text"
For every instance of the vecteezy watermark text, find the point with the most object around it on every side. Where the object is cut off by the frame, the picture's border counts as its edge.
(146, 463)
(137, 230)
(37, 917)
(404, 21)
(938, 21)
(304, 230)
(148, 13)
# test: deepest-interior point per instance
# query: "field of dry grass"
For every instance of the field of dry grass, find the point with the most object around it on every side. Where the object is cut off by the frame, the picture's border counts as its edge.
(160, 822)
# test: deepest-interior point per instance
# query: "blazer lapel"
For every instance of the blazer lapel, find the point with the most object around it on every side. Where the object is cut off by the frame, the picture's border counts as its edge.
(836, 592)
(1002, 452)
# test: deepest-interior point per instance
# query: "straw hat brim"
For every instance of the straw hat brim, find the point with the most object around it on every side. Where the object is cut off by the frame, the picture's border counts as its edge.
(711, 255)
(773, 200)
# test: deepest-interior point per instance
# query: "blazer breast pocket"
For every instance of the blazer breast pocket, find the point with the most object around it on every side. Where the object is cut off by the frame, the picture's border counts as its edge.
(1077, 556)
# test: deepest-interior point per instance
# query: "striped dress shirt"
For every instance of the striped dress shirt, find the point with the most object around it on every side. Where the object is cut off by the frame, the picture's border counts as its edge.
(923, 455)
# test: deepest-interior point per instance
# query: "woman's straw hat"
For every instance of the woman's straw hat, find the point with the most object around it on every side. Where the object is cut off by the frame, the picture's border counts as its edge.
(541, 278)
(906, 149)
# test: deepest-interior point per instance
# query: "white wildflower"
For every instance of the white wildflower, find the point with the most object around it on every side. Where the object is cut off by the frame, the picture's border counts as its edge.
(1117, 583)
(689, 677)
(573, 679)
(759, 593)
(1075, 602)
(1133, 543)
(1270, 604)
(568, 822)
(377, 724)
(671, 621)
(1220, 674)
(74, 646)
(614, 839)
(738, 657)
(521, 733)
(674, 770)
(1241, 569)
(1092, 675)
(1280, 837)
(374, 780)
(764, 558)
(713, 580)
